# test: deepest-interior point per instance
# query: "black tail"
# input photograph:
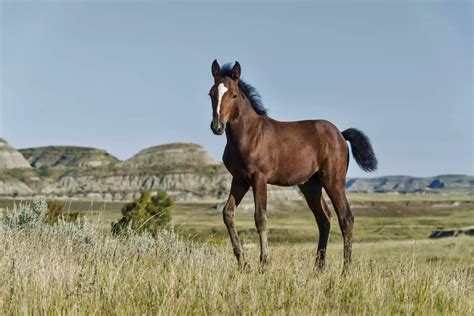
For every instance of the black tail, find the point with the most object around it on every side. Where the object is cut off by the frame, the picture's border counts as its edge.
(361, 149)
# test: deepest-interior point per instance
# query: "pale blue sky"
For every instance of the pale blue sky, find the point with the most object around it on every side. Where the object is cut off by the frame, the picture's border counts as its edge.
(127, 75)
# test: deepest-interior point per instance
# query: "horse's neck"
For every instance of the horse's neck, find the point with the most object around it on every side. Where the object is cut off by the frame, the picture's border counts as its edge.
(245, 126)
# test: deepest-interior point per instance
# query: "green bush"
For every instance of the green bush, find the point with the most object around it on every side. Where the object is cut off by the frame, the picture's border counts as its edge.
(147, 214)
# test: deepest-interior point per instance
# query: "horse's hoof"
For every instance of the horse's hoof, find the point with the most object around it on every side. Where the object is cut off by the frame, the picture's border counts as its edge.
(262, 268)
(345, 270)
(319, 266)
(263, 265)
(244, 267)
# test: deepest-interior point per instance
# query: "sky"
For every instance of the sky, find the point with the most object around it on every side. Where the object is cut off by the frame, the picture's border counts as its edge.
(126, 75)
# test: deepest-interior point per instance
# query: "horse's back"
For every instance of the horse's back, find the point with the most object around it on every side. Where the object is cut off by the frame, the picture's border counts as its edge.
(317, 134)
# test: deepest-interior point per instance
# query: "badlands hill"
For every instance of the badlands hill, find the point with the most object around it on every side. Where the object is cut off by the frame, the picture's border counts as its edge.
(67, 156)
(187, 171)
(11, 158)
(406, 184)
(169, 155)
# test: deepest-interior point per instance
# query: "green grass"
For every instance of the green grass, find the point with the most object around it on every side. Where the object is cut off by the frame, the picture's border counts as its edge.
(377, 217)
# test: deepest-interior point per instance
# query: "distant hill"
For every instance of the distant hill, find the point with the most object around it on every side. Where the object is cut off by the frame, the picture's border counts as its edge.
(67, 156)
(171, 155)
(11, 158)
(185, 170)
(406, 184)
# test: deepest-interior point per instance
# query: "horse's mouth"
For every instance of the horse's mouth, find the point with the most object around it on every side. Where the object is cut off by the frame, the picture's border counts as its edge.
(217, 127)
(218, 131)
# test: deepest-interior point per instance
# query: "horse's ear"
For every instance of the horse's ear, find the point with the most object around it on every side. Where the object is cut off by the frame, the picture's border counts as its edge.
(236, 71)
(216, 69)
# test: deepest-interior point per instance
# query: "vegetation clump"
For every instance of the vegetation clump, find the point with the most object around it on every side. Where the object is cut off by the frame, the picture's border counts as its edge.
(37, 213)
(26, 215)
(148, 214)
(56, 212)
(44, 171)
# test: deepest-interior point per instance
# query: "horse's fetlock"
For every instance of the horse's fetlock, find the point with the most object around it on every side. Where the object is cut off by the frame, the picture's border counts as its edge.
(237, 252)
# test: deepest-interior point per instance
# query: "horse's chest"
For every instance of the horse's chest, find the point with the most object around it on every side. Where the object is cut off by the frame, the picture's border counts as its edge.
(243, 164)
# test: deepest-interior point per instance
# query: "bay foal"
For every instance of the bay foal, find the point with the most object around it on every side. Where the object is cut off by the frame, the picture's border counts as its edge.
(312, 154)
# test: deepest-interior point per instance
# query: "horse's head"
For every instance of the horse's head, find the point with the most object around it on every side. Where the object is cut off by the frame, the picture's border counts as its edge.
(225, 96)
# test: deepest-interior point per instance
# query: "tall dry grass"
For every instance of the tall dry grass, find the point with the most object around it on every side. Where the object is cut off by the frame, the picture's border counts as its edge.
(73, 269)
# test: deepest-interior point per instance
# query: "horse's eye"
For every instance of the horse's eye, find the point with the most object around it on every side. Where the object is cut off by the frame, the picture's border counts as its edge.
(234, 96)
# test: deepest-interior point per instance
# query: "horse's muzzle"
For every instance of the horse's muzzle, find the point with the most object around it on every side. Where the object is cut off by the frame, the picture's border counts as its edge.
(217, 126)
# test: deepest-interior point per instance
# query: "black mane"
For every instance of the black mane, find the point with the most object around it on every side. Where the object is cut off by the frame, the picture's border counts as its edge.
(250, 92)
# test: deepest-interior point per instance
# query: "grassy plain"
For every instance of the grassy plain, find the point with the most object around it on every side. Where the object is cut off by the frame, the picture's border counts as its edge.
(377, 217)
(396, 269)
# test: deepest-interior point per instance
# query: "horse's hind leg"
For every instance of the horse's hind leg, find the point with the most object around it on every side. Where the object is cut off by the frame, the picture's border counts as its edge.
(336, 189)
(237, 192)
(259, 186)
(312, 191)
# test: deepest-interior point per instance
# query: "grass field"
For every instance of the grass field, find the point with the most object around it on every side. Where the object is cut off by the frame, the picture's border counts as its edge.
(396, 269)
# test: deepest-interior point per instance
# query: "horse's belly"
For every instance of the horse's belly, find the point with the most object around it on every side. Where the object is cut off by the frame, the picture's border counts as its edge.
(293, 175)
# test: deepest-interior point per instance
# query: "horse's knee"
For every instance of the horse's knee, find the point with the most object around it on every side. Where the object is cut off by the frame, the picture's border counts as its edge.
(261, 220)
(228, 214)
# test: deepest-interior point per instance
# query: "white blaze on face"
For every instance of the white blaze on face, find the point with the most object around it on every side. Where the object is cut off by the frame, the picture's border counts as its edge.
(221, 90)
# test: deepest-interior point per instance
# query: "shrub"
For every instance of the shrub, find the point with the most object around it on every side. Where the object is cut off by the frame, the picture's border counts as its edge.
(38, 212)
(44, 171)
(27, 214)
(57, 212)
(148, 214)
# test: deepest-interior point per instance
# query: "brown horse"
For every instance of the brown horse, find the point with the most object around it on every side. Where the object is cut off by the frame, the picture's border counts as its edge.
(312, 154)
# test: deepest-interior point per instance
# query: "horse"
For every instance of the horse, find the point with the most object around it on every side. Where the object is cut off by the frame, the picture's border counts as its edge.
(310, 154)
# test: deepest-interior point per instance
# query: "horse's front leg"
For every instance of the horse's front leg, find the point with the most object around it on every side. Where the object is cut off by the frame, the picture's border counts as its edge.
(237, 192)
(259, 186)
